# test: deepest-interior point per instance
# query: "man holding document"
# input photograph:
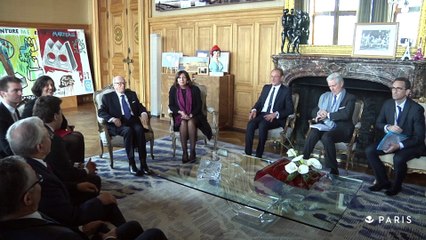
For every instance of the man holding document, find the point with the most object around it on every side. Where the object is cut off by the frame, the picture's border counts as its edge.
(333, 118)
(403, 122)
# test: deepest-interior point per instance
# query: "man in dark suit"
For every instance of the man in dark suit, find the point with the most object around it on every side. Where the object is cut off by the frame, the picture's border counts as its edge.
(19, 219)
(82, 183)
(30, 139)
(270, 111)
(404, 116)
(125, 116)
(11, 96)
(334, 121)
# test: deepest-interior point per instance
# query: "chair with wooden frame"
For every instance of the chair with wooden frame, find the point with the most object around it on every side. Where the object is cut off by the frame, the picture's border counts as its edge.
(105, 139)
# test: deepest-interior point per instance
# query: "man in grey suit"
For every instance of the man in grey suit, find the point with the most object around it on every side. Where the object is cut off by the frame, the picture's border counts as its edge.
(334, 121)
(270, 111)
(125, 116)
(11, 96)
(404, 116)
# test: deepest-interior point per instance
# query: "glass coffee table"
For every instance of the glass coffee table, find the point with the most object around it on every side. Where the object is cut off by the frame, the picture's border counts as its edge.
(231, 176)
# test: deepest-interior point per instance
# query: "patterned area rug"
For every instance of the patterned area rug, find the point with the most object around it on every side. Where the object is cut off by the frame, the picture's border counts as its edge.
(184, 213)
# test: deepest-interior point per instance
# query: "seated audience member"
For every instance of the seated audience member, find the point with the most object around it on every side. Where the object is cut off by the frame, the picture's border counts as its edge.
(125, 116)
(270, 111)
(19, 218)
(334, 121)
(82, 184)
(186, 105)
(404, 116)
(74, 140)
(30, 139)
(11, 96)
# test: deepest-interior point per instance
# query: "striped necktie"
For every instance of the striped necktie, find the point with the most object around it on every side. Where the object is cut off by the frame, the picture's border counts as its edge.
(271, 98)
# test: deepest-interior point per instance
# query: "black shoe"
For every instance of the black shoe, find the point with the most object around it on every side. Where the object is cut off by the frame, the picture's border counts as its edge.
(334, 171)
(135, 171)
(378, 187)
(185, 157)
(192, 157)
(147, 171)
(393, 191)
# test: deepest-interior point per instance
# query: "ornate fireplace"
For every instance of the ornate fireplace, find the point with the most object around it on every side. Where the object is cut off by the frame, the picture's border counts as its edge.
(367, 79)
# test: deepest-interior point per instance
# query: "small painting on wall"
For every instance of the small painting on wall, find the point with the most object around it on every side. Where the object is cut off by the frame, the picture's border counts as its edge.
(170, 5)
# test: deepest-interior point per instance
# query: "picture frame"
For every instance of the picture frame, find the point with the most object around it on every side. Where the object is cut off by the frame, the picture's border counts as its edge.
(224, 59)
(203, 71)
(375, 40)
(170, 59)
(191, 64)
(171, 5)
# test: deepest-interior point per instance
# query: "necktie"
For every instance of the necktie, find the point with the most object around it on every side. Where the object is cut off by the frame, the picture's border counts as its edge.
(398, 117)
(126, 108)
(270, 100)
(334, 100)
(15, 116)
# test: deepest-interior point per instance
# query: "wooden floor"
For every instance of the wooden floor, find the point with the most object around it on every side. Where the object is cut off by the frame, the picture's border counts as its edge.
(84, 119)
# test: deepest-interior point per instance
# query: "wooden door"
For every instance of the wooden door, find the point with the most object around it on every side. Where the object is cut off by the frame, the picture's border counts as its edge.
(122, 41)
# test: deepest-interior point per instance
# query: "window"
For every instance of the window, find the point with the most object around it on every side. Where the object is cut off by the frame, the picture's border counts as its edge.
(333, 21)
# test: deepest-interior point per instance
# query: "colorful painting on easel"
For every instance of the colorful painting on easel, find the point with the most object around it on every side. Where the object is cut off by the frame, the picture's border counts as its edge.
(29, 53)
(20, 55)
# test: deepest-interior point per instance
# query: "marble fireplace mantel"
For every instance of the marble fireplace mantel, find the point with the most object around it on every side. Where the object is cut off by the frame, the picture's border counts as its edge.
(382, 71)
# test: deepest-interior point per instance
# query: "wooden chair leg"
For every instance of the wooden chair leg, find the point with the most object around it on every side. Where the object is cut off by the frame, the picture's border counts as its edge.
(174, 144)
(151, 147)
(111, 156)
(102, 148)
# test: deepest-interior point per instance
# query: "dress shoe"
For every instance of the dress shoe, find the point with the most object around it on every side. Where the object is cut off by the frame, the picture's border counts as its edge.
(135, 171)
(392, 191)
(377, 187)
(185, 157)
(193, 156)
(148, 171)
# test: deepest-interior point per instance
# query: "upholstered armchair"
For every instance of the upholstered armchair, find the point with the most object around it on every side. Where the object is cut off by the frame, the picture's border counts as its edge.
(211, 114)
(416, 165)
(105, 139)
(346, 148)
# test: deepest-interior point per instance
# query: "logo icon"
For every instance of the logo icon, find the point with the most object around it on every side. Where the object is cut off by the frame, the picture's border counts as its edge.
(369, 219)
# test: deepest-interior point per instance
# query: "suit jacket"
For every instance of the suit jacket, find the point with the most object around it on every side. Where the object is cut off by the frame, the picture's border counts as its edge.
(283, 101)
(28, 112)
(56, 203)
(38, 229)
(343, 116)
(111, 106)
(61, 164)
(196, 109)
(412, 122)
(6, 121)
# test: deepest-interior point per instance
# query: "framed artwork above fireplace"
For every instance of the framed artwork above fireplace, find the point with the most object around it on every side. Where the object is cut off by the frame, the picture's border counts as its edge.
(375, 40)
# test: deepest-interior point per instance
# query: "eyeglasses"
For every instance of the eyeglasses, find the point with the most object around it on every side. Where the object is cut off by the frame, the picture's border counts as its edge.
(120, 83)
(39, 180)
(397, 89)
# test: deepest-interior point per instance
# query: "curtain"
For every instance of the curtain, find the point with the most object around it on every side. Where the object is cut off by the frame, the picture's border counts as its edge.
(373, 11)
(364, 11)
(380, 11)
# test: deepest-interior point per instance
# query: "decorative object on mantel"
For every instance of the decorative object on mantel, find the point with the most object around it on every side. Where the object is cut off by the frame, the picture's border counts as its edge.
(295, 29)
(418, 55)
(406, 55)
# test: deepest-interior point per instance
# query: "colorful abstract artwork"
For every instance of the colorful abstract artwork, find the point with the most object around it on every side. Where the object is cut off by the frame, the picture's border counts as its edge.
(62, 54)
